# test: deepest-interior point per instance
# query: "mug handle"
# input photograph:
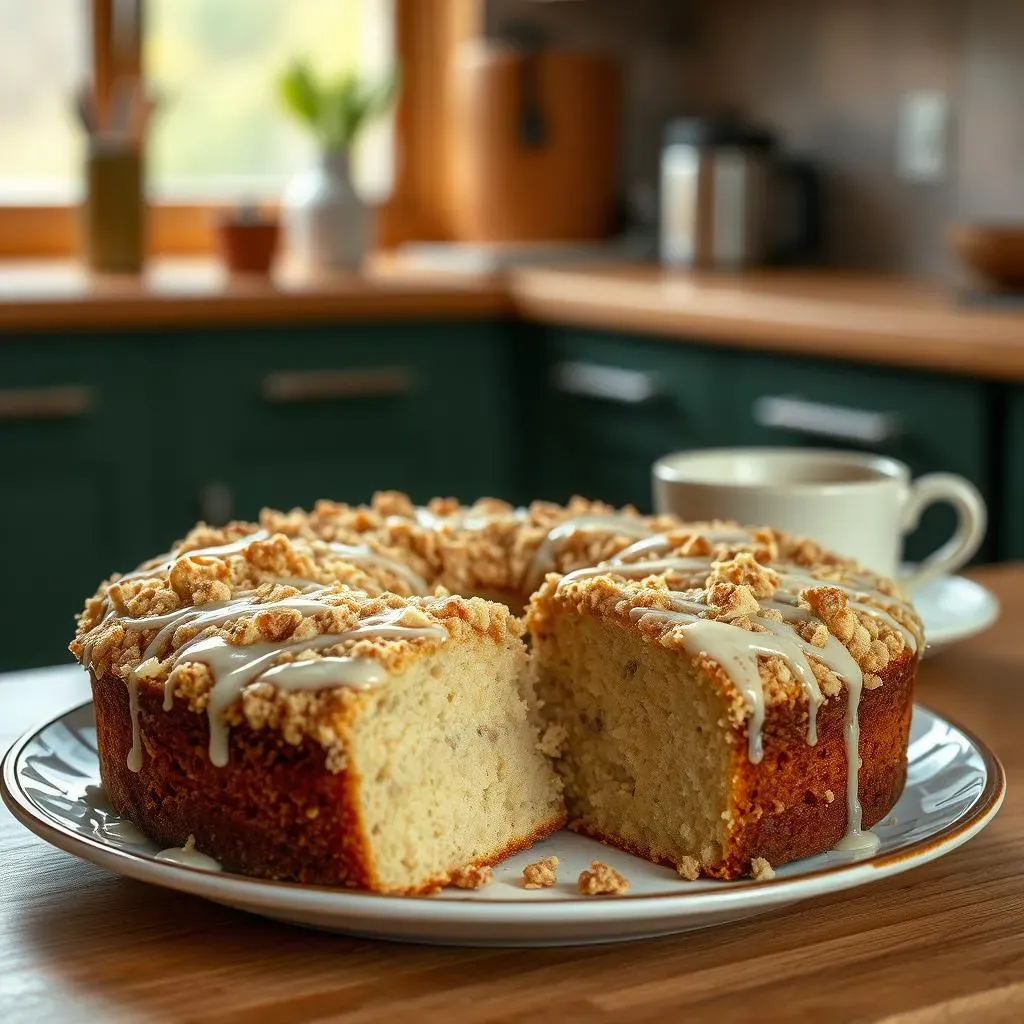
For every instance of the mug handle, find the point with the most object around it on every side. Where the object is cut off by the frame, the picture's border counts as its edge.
(972, 517)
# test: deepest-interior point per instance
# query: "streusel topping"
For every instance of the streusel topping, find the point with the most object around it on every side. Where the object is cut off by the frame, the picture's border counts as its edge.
(488, 547)
(765, 579)
(251, 634)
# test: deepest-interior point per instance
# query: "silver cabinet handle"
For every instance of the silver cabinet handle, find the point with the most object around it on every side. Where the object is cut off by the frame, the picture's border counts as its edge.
(63, 402)
(817, 419)
(317, 385)
(610, 383)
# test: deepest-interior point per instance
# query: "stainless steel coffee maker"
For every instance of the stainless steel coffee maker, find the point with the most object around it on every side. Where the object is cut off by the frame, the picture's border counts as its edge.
(716, 173)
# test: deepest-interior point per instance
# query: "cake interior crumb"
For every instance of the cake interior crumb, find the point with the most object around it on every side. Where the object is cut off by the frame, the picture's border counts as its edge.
(472, 877)
(689, 868)
(602, 880)
(761, 870)
(542, 874)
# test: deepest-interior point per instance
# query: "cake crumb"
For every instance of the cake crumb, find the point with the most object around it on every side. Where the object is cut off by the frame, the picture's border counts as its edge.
(553, 740)
(829, 796)
(689, 868)
(761, 869)
(602, 880)
(472, 877)
(541, 875)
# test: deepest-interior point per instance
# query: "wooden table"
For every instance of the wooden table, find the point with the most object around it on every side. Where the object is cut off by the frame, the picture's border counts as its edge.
(944, 942)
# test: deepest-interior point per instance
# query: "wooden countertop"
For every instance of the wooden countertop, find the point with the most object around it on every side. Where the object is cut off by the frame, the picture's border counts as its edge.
(944, 942)
(821, 313)
(829, 314)
(62, 296)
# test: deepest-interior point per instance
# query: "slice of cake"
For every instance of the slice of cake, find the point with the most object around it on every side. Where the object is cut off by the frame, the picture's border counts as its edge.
(726, 700)
(319, 735)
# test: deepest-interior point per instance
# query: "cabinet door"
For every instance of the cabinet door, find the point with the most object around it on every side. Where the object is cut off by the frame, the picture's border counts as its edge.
(1011, 542)
(605, 407)
(931, 423)
(76, 484)
(289, 416)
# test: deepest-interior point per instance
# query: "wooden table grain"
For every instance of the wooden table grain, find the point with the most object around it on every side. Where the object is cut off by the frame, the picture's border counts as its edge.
(941, 943)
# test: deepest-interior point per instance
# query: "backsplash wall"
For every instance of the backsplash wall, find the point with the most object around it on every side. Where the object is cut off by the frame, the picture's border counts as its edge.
(829, 79)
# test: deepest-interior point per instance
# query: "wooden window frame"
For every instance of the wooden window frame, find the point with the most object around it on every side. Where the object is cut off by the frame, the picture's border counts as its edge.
(427, 35)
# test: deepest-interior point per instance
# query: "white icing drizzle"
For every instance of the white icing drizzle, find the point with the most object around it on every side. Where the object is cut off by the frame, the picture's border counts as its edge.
(640, 570)
(122, 831)
(235, 667)
(103, 818)
(231, 548)
(543, 560)
(188, 856)
(464, 518)
(363, 555)
(217, 550)
(659, 542)
(785, 601)
(738, 650)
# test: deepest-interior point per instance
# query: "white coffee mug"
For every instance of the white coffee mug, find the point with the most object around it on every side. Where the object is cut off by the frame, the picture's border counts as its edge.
(855, 504)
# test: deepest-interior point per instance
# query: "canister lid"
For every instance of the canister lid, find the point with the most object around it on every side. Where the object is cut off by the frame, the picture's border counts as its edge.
(722, 130)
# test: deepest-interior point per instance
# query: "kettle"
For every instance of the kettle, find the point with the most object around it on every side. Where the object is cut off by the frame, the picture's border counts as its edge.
(722, 191)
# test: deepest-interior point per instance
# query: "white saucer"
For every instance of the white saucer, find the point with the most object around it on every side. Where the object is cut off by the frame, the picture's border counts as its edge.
(954, 608)
(954, 787)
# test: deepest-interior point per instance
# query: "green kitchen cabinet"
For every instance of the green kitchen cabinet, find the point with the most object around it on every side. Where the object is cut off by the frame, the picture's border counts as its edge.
(77, 480)
(602, 407)
(932, 423)
(284, 416)
(1011, 508)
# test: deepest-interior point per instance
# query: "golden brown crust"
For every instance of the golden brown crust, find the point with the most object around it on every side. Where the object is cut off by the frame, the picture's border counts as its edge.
(307, 828)
(780, 808)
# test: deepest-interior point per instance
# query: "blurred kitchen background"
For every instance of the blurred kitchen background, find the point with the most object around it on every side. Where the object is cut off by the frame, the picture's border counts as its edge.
(256, 253)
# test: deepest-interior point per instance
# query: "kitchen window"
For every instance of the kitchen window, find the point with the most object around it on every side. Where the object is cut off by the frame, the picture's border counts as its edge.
(219, 136)
(219, 132)
(42, 61)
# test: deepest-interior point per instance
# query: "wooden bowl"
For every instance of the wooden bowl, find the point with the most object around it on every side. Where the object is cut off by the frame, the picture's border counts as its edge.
(995, 252)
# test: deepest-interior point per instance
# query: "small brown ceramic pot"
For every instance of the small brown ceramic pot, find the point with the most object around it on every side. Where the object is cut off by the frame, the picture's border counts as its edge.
(247, 246)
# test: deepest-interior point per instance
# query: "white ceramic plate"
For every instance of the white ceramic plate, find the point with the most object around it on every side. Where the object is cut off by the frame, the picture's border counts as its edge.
(955, 785)
(954, 608)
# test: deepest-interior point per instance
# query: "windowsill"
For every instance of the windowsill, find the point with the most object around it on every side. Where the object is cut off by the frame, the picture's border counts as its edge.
(62, 294)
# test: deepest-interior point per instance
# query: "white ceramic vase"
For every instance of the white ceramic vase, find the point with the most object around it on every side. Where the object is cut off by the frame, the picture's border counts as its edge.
(327, 225)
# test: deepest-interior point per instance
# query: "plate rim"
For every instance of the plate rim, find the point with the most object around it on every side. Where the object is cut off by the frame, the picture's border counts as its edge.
(957, 634)
(247, 892)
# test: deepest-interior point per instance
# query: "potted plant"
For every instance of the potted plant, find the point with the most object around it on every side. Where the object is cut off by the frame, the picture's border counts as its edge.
(326, 223)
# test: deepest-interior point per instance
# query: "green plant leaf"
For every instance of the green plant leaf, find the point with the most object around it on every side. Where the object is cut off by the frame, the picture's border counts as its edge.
(300, 94)
(336, 111)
